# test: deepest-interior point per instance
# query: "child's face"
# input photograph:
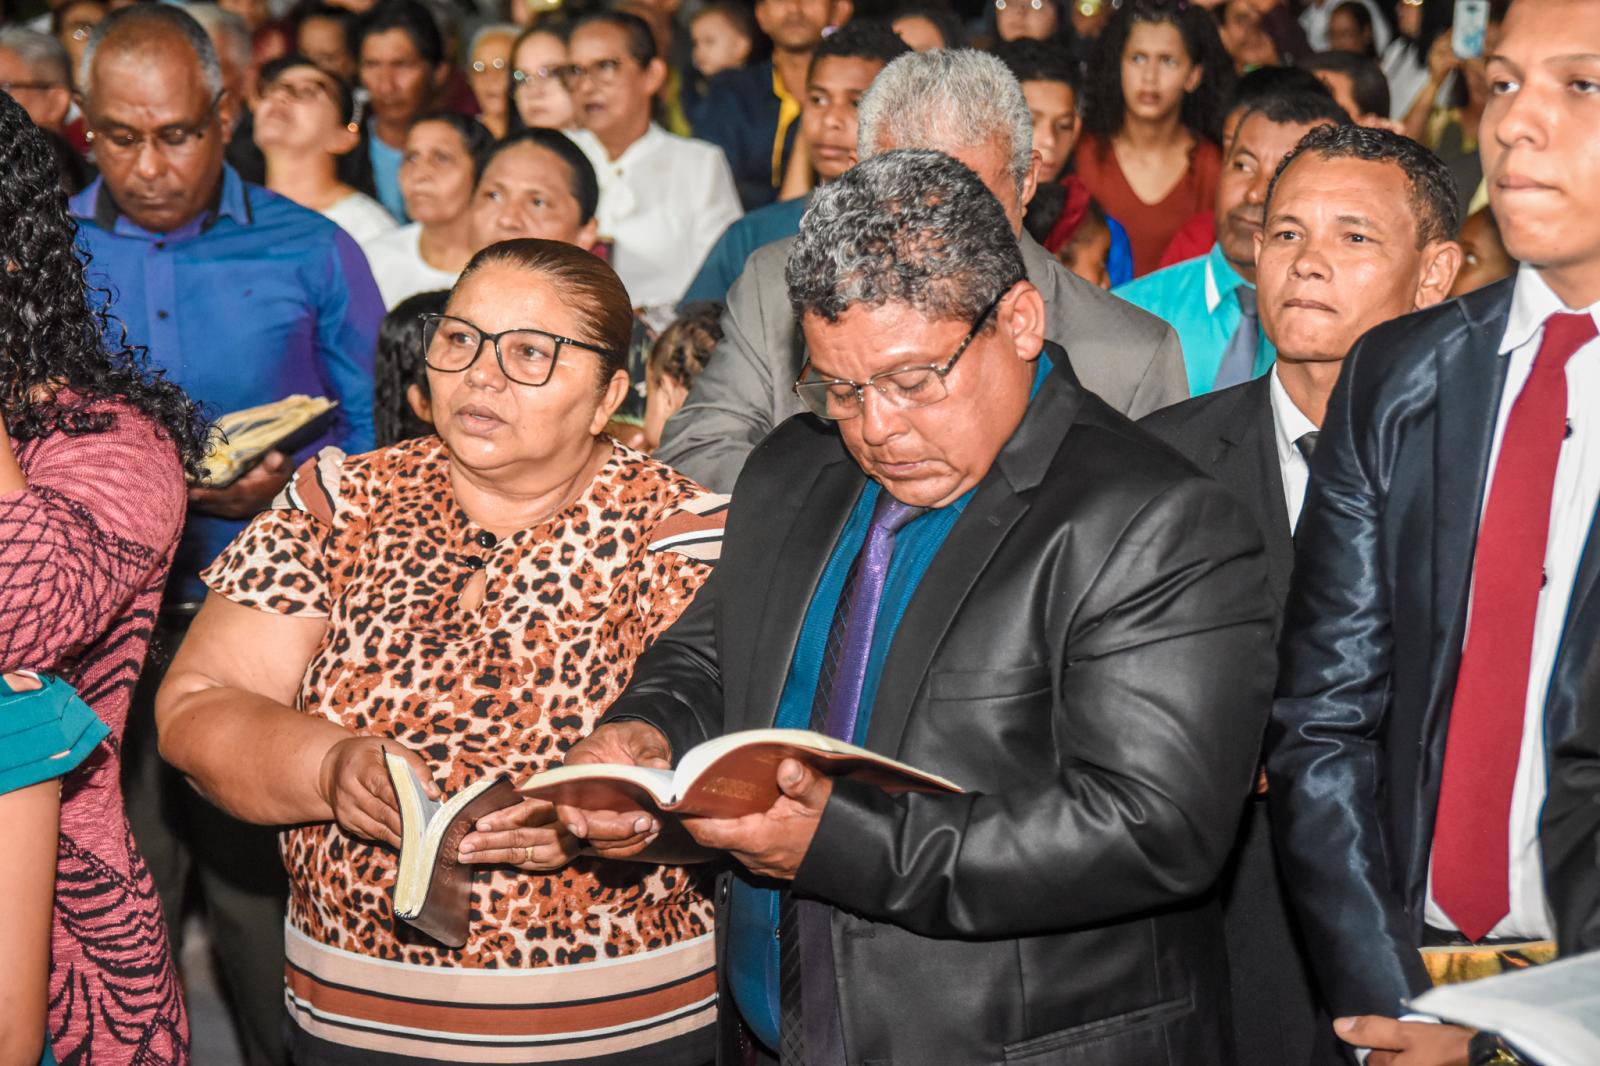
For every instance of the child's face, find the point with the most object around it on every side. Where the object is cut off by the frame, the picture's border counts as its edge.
(718, 44)
(828, 115)
(1087, 258)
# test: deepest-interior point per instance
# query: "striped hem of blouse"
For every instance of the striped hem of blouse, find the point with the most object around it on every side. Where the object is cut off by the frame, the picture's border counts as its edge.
(591, 1010)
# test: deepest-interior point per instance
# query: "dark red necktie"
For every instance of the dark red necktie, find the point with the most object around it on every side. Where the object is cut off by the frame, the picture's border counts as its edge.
(1471, 837)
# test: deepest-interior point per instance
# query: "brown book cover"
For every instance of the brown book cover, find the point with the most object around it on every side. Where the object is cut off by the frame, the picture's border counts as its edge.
(725, 777)
(433, 888)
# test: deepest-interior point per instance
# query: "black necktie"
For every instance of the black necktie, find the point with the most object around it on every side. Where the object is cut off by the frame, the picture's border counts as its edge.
(1307, 444)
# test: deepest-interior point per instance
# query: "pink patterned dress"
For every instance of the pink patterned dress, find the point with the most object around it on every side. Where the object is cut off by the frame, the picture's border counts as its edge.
(84, 552)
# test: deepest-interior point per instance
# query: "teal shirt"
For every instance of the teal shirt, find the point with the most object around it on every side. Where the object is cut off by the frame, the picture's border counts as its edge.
(1197, 298)
(726, 260)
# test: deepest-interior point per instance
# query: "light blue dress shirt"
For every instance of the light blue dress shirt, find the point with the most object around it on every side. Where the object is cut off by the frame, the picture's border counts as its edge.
(1197, 298)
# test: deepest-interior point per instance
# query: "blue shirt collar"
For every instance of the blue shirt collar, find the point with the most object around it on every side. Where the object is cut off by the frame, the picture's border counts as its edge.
(95, 204)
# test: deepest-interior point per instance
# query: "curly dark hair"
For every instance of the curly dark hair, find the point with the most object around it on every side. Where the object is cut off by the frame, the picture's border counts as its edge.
(684, 348)
(1203, 109)
(53, 336)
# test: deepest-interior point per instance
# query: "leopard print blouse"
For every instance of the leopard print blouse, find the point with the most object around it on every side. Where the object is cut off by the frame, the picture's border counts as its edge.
(377, 545)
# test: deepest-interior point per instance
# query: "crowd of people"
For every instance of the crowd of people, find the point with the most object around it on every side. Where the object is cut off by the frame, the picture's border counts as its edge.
(949, 380)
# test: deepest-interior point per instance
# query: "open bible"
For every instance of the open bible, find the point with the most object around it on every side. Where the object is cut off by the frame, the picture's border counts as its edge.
(725, 777)
(1550, 1014)
(433, 889)
(243, 437)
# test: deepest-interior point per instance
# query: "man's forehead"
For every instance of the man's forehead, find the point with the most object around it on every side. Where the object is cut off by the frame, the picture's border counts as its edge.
(843, 73)
(165, 84)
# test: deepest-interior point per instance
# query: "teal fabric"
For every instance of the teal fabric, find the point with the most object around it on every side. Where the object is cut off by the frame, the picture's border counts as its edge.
(44, 734)
(753, 909)
(726, 260)
(1177, 294)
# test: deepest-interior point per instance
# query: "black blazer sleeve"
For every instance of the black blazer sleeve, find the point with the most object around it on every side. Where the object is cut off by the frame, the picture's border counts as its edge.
(1323, 741)
(1157, 712)
(677, 685)
(1569, 829)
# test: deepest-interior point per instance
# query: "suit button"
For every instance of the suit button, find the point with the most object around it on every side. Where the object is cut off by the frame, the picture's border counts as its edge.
(485, 539)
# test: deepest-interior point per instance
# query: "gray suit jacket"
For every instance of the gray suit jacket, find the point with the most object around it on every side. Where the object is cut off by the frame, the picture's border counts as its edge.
(1130, 358)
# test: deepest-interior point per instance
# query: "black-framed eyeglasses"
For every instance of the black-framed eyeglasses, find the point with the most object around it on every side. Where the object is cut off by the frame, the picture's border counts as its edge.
(176, 138)
(525, 356)
(603, 71)
(840, 399)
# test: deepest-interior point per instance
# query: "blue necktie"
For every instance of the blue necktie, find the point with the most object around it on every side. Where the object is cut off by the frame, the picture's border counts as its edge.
(805, 945)
(1239, 360)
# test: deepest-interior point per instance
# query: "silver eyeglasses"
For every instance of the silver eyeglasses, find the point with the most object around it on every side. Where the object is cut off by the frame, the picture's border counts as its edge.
(839, 399)
(526, 356)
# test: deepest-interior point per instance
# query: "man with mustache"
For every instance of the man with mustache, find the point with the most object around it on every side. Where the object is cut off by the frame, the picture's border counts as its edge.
(243, 297)
(1210, 300)
(1353, 238)
(1447, 583)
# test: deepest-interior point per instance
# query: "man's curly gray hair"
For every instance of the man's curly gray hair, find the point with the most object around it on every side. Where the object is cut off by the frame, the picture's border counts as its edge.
(948, 99)
(913, 226)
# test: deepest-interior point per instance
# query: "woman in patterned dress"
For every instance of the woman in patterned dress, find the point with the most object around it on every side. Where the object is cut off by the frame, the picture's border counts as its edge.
(92, 462)
(474, 600)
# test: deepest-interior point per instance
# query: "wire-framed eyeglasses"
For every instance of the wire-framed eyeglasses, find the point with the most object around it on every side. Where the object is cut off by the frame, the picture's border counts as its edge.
(526, 356)
(839, 399)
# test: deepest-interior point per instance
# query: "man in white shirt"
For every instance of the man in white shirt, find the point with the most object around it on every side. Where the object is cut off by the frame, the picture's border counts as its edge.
(664, 199)
(1446, 593)
(1318, 291)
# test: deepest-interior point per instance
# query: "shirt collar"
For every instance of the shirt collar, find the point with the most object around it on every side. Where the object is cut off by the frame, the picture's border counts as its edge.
(1288, 420)
(1221, 278)
(96, 204)
(1532, 302)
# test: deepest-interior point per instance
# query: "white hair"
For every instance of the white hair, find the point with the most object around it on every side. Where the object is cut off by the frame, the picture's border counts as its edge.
(510, 29)
(43, 54)
(947, 100)
(226, 28)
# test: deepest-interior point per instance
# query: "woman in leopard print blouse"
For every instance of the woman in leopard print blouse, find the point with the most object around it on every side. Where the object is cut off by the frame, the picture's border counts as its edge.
(474, 600)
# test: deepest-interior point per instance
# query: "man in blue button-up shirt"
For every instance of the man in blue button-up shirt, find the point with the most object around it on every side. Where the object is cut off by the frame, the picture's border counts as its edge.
(243, 297)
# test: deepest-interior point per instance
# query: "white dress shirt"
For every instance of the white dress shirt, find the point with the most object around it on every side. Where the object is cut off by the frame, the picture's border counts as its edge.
(1572, 509)
(1290, 424)
(663, 203)
(398, 267)
(361, 216)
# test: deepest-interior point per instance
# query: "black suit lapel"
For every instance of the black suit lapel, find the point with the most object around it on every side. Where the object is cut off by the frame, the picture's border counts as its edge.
(994, 509)
(1578, 640)
(796, 570)
(1253, 460)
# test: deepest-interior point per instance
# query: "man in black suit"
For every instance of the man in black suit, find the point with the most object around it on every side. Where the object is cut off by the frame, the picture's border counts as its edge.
(1445, 598)
(1256, 438)
(1072, 625)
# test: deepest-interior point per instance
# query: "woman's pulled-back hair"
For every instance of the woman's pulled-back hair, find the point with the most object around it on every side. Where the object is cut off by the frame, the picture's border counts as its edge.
(587, 285)
(55, 334)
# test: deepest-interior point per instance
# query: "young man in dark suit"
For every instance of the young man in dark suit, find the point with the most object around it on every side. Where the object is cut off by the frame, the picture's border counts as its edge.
(967, 561)
(1317, 292)
(1446, 593)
